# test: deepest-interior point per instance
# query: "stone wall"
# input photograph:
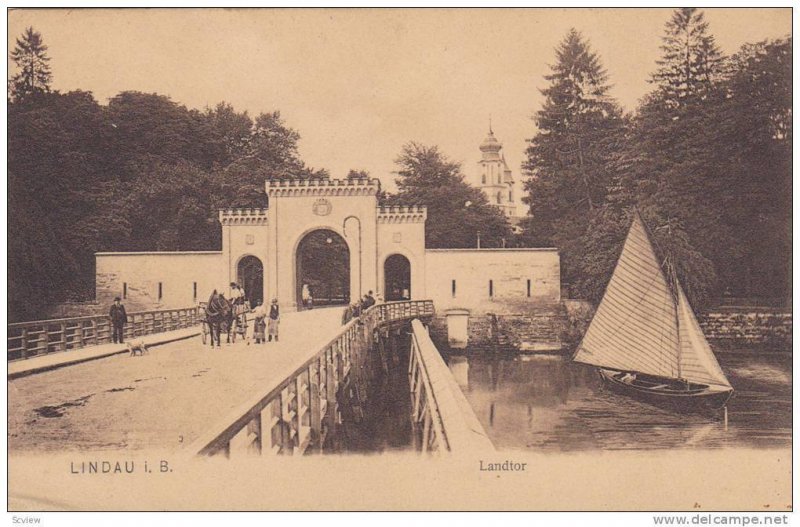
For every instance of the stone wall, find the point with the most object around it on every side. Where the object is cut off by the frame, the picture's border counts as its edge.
(539, 329)
(521, 279)
(559, 327)
(770, 327)
(136, 278)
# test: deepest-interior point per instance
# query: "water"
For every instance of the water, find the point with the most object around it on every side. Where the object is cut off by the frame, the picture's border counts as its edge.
(548, 403)
(386, 423)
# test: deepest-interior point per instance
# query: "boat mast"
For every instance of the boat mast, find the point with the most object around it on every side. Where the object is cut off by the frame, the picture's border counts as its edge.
(674, 282)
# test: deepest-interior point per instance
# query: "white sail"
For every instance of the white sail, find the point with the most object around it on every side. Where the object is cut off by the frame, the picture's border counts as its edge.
(698, 363)
(638, 326)
(634, 328)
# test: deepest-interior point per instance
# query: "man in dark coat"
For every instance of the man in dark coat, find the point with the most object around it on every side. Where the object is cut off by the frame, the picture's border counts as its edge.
(369, 300)
(118, 319)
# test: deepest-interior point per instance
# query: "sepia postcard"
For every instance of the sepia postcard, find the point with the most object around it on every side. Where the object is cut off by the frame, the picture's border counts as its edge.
(341, 259)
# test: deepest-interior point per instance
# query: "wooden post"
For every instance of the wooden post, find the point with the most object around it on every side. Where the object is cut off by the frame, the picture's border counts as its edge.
(94, 331)
(315, 409)
(284, 434)
(80, 333)
(417, 386)
(63, 336)
(298, 395)
(426, 427)
(265, 423)
(333, 407)
(24, 342)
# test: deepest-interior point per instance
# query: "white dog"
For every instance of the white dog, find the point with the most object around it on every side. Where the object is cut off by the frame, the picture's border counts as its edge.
(137, 345)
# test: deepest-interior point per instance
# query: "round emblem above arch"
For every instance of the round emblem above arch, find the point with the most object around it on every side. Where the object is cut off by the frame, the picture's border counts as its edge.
(322, 207)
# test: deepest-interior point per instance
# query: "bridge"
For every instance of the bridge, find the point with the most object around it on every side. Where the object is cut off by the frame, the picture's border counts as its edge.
(69, 389)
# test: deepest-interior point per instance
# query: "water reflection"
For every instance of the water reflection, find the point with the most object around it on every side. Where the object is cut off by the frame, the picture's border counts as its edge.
(549, 403)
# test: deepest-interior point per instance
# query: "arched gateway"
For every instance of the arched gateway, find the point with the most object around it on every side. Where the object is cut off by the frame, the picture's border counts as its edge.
(250, 275)
(322, 270)
(329, 235)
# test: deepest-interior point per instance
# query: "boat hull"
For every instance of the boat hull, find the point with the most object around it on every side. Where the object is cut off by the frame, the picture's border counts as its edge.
(667, 393)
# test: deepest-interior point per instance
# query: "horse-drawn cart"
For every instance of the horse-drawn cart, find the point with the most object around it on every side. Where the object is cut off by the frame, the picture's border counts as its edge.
(235, 323)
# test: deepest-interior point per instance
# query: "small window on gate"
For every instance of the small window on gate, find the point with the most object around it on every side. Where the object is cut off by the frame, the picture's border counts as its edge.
(529, 287)
(453, 288)
(491, 288)
(124, 289)
(194, 291)
(160, 291)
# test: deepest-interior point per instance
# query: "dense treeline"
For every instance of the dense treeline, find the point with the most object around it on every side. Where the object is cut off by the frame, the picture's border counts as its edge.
(140, 173)
(706, 159)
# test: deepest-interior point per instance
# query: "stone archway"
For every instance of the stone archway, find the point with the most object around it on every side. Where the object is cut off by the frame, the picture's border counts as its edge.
(250, 275)
(322, 269)
(397, 278)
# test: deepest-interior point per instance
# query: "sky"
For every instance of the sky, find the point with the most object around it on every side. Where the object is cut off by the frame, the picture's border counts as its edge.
(359, 84)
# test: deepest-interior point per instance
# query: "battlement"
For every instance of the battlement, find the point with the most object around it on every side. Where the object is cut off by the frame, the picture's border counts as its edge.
(243, 216)
(322, 187)
(401, 214)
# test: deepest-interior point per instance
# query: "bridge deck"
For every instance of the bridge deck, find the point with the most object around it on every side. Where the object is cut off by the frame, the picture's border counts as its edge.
(163, 400)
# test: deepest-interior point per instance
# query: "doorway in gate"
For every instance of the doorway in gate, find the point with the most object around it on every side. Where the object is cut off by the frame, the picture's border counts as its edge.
(397, 278)
(250, 275)
(322, 270)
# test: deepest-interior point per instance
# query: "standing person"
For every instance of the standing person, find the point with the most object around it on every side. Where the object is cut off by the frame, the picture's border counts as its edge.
(118, 319)
(237, 298)
(274, 319)
(237, 295)
(308, 300)
(260, 324)
(370, 300)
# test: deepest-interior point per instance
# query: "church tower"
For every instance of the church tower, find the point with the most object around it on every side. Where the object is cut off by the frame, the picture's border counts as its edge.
(494, 176)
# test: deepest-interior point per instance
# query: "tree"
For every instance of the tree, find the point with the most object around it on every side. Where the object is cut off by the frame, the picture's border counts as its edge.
(752, 127)
(566, 156)
(457, 212)
(270, 153)
(357, 174)
(30, 56)
(232, 128)
(149, 129)
(690, 62)
(56, 166)
(668, 167)
(579, 127)
(715, 166)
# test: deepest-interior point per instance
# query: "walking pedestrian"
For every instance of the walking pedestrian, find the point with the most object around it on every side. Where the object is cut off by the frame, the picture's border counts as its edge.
(118, 320)
(274, 319)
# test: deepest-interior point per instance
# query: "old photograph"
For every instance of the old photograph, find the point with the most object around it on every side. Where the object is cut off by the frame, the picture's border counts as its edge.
(341, 259)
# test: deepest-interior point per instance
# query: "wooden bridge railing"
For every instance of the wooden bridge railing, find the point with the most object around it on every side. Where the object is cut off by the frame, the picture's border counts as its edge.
(442, 416)
(300, 412)
(30, 339)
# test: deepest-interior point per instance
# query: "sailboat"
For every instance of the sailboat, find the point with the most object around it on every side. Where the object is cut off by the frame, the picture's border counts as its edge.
(644, 337)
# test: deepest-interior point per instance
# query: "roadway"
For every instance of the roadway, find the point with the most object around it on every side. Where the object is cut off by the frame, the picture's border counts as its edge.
(163, 400)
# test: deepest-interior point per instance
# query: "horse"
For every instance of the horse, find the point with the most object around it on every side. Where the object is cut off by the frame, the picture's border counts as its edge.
(219, 312)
